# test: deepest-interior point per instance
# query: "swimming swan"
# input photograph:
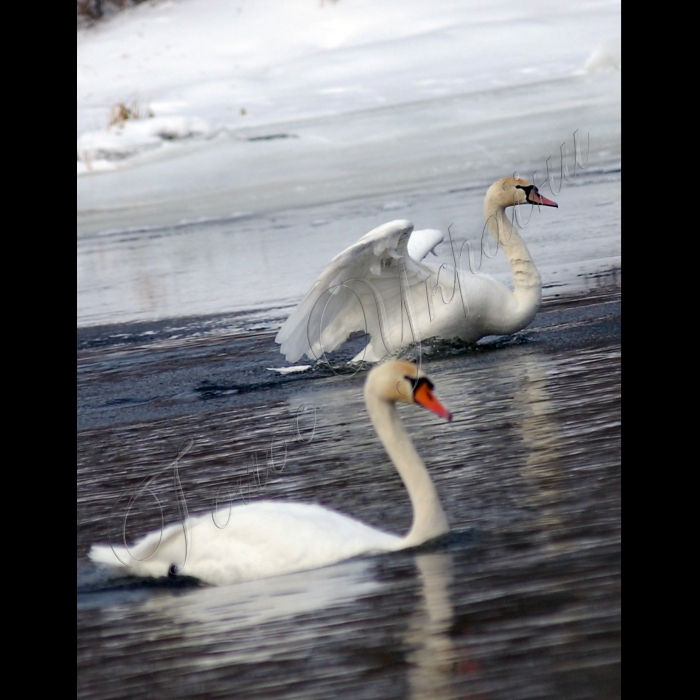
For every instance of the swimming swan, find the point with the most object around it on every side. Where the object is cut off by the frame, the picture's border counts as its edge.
(269, 538)
(381, 286)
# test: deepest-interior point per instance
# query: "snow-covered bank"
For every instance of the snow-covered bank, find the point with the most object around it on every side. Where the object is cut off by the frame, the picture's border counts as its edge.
(214, 68)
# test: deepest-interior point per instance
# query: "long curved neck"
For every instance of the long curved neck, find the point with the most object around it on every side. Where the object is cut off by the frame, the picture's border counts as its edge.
(527, 282)
(429, 519)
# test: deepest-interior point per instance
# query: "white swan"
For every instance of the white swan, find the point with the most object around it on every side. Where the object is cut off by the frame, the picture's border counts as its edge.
(381, 286)
(271, 538)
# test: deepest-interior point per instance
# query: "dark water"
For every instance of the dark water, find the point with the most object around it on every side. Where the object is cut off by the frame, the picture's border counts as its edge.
(520, 600)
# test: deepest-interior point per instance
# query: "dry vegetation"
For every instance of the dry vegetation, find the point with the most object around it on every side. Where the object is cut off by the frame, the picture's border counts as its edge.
(121, 112)
(91, 10)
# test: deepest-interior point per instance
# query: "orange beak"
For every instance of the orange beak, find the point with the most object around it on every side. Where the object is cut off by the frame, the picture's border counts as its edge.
(537, 198)
(423, 396)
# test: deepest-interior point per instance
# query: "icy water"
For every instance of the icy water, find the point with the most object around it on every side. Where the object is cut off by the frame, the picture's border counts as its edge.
(521, 600)
(267, 263)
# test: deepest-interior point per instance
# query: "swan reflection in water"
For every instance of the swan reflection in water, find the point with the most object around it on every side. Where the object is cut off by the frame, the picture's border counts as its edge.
(432, 663)
(237, 627)
(542, 468)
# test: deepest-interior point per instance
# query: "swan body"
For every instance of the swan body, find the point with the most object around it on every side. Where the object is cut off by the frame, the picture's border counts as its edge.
(268, 538)
(382, 286)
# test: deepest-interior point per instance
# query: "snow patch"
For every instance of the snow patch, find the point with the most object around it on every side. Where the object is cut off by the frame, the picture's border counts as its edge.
(102, 150)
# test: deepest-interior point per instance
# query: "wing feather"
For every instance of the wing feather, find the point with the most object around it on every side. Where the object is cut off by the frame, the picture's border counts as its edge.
(423, 242)
(360, 289)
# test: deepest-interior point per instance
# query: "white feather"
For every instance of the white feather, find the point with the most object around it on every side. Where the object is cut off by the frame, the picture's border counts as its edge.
(382, 286)
(269, 538)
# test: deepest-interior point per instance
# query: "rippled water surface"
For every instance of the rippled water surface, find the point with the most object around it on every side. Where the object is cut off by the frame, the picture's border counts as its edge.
(520, 600)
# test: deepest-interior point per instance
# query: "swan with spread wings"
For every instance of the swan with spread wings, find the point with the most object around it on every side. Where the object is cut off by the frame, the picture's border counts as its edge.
(383, 286)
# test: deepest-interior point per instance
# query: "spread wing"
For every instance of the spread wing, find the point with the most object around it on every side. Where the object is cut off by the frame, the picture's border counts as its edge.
(364, 288)
(420, 243)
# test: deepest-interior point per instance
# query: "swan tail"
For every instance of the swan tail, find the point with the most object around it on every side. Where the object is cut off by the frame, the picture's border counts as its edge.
(152, 555)
(111, 558)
